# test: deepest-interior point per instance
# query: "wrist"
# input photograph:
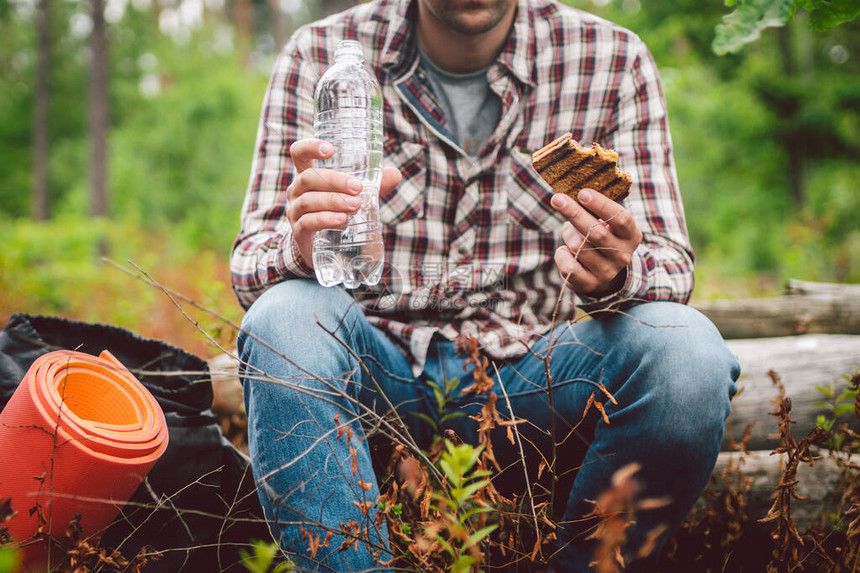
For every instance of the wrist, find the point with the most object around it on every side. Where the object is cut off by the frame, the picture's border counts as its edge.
(614, 286)
(300, 260)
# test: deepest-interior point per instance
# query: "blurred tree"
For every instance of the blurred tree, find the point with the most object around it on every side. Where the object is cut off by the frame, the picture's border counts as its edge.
(99, 110)
(41, 103)
(242, 14)
(327, 7)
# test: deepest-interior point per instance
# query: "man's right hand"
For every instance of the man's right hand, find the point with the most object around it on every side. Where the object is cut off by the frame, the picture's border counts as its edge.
(321, 198)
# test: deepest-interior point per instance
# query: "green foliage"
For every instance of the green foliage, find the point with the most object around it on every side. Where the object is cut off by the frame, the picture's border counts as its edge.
(456, 463)
(183, 122)
(264, 558)
(56, 268)
(460, 505)
(441, 396)
(182, 157)
(825, 14)
(9, 561)
(750, 17)
(837, 406)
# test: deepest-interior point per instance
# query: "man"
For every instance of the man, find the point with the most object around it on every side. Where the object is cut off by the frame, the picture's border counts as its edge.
(478, 245)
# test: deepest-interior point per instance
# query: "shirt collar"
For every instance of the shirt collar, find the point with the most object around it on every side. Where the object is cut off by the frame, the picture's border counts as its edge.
(517, 54)
(397, 49)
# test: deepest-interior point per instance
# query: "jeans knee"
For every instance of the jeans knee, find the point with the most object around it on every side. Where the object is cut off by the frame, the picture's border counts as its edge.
(299, 307)
(679, 340)
(298, 303)
(299, 330)
(683, 361)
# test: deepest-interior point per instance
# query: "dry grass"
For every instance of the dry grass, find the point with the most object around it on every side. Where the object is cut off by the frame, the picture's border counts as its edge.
(443, 512)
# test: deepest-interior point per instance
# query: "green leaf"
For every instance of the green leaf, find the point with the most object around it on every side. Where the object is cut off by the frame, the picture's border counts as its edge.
(826, 14)
(445, 545)
(9, 560)
(452, 416)
(451, 384)
(461, 494)
(837, 441)
(452, 475)
(749, 18)
(843, 409)
(440, 398)
(847, 396)
(425, 418)
(479, 535)
(828, 391)
(463, 564)
(262, 558)
(475, 511)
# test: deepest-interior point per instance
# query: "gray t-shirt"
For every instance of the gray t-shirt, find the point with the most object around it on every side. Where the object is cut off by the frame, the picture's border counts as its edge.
(472, 109)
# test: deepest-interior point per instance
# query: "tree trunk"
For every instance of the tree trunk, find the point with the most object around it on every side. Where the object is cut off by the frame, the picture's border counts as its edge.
(243, 22)
(42, 98)
(805, 308)
(333, 6)
(277, 24)
(794, 141)
(99, 111)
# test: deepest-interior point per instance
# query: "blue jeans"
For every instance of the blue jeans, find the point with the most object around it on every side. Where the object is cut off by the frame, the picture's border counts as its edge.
(312, 362)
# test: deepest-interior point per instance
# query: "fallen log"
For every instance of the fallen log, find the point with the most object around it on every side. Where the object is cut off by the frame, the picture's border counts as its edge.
(816, 484)
(802, 363)
(805, 308)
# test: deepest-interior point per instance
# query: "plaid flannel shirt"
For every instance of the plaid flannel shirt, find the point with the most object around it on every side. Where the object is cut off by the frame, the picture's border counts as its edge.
(469, 242)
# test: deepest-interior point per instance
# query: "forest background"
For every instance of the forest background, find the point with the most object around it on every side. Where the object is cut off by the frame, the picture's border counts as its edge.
(127, 129)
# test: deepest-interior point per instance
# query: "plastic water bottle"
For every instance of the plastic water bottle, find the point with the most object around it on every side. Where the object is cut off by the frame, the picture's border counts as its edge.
(348, 115)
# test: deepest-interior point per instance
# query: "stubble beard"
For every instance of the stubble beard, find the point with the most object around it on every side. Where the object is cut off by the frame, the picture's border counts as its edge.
(469, 22)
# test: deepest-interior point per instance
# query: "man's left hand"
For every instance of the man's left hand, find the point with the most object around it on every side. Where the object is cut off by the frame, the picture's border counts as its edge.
(598, 245)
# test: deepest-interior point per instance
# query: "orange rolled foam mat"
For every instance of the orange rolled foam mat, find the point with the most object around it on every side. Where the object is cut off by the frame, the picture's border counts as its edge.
(77, 437)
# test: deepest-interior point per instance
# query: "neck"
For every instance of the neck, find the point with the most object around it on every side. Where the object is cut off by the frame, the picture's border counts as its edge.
(459, 52)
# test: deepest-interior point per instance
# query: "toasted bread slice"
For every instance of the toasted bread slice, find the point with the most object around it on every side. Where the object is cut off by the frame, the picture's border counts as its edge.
(568, 168)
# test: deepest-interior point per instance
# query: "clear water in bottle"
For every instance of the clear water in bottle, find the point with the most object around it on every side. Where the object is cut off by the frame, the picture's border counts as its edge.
(348, 114)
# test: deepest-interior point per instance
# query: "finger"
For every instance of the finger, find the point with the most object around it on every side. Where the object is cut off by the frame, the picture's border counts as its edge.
(577, 276)
(304, 151)
(391, 178)
(617, 217)
(315, 179)
(573, 239)
(587, 224)
(319, 201)
(600, 261)
(312, 222)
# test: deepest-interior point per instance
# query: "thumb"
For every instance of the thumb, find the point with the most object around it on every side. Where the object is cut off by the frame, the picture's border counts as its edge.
(391, 178)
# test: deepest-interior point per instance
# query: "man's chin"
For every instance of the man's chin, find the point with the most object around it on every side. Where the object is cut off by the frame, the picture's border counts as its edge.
(474, 22)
